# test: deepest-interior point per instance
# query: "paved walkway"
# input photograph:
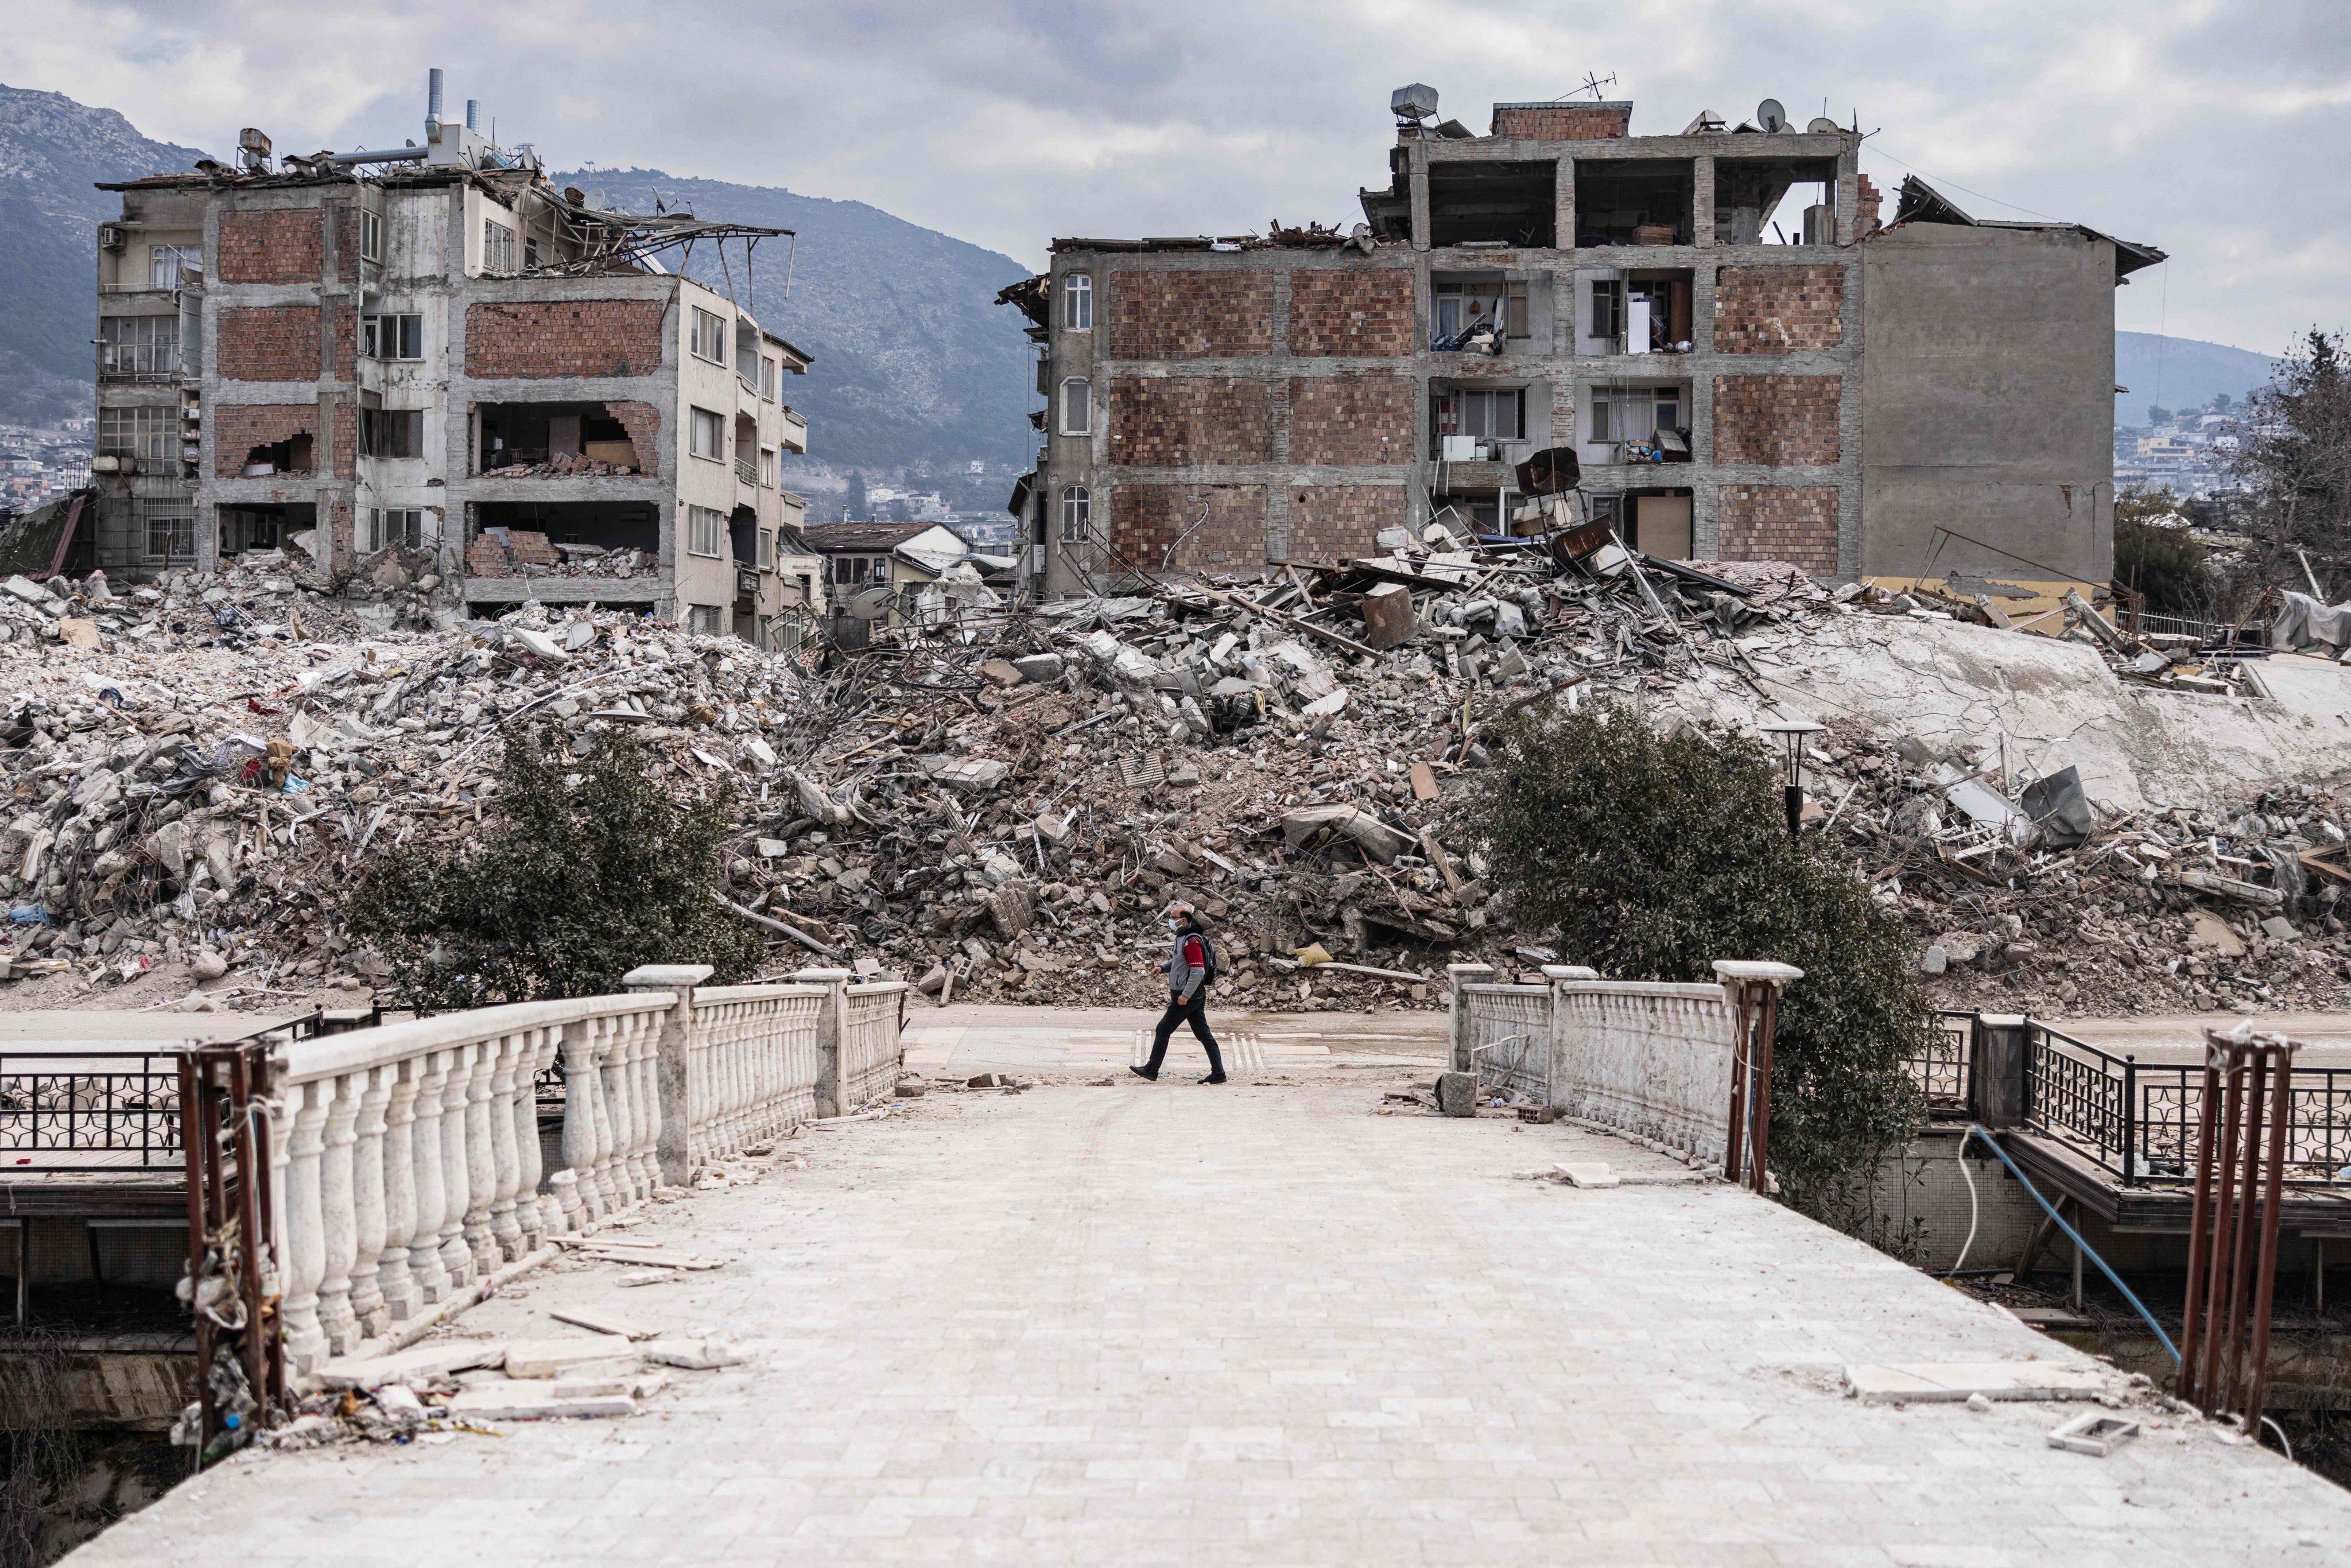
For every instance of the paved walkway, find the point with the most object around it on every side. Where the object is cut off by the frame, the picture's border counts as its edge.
(1161, 1323)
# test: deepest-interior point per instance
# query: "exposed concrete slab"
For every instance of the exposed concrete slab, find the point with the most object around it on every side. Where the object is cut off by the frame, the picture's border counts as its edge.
(1921, 1382)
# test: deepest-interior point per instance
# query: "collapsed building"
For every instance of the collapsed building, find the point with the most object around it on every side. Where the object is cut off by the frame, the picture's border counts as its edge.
(1904, 400)
(430, 356)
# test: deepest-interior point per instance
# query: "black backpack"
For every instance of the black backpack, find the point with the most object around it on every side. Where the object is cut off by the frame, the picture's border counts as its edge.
(1207, 952)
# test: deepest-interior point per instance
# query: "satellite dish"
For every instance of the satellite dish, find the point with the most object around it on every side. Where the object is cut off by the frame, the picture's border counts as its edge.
(871, 604)
(1770, 116)
(1822, 125)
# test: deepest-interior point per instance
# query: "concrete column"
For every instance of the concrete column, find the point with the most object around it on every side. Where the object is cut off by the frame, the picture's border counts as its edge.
(1996, 1089)
(1702, 203)
(673, 1088)
(1459, 977)
(832, 1028)
(1563, 206)
(1418, 176)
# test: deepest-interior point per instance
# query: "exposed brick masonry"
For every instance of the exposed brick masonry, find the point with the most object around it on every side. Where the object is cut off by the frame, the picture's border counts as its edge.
(1351, 313)
(1351, 421)
(239, 428)
(643, 420)
(1146, 519)
(1565, 122)
(1797, 523)
(1190, 315)
(1331, 522)
(1777, 421)
(1865, 208)
(1773, 309)
(269, 247)
(1169, 422)
(269, 343)
(564, 338)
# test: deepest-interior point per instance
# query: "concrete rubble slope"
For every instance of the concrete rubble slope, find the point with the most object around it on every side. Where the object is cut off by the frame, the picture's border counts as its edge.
(1155, 1325)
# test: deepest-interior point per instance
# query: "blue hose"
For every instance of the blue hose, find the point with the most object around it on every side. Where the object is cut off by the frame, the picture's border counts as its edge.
(2076, 1236)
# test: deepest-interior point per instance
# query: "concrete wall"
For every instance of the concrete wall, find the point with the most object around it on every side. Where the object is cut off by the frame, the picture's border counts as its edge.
(1987, 399)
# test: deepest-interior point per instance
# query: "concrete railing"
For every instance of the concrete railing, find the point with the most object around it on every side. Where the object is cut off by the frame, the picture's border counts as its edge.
(1653, 1059)
(408, 1156)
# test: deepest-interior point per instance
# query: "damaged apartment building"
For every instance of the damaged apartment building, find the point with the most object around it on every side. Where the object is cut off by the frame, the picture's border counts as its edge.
(429, 359)
(1745, 362)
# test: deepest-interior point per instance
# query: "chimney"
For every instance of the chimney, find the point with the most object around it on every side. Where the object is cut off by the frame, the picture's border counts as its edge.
(473, 114)
(432, 99)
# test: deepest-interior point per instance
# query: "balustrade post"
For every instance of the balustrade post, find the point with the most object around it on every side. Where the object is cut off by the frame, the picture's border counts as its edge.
(456, 1195)
(428, 1073)
(1458, 978)
(481, 1159)
(833, 1086)
(303, 1244)
(367, 1202)
(1998, 1084)
(675, 1091)
(531, 1219)
(506, 1161)
(583, 1119)
(619, 1114)
(338, 1220)
(402, 1298)
(644, 1046)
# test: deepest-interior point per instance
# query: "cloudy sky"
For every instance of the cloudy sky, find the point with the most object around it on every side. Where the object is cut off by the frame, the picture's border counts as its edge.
(2216, 132)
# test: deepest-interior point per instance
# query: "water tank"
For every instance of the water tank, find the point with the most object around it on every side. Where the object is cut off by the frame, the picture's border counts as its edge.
(1416, 102)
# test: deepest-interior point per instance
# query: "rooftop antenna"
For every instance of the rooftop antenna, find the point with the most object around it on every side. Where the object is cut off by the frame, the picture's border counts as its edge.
(1591, 84)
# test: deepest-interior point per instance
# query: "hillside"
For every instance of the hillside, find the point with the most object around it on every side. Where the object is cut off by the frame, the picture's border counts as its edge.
(2180, 373)
(915, 363)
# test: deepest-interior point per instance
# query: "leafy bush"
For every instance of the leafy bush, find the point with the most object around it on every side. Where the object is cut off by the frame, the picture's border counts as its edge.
(1654, 857)
(587, 869)
(2156, 554)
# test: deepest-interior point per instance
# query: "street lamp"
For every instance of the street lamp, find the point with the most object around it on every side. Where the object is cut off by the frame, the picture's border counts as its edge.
(1791, 734)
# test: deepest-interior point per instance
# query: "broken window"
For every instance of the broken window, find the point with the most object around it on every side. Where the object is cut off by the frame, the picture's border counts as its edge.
(705, 531)
(166, 262)
(388, 527)
(1656, 313)
(497, 246)
(171, 540)
(1077, 406)
(243, 528)
(291, 456)
(1463, 305)
(392, 337)
(392, 432)
(1750, 195)
(709, 338)
(1492, 204)
(1640, 200)
(707, 619)
(370, 236)
(1649, 422)
(1078, 302)
(138, 348)
(515, 436)
(149, 432)
(709, 435)
(1077, 513)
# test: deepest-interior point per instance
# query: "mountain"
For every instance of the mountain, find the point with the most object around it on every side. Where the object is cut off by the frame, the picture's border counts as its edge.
(53, 151)
(915, 362)
(2180, 373)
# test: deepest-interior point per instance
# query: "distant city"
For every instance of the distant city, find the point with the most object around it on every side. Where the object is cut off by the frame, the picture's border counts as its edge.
(2185, 449)
(40, 463)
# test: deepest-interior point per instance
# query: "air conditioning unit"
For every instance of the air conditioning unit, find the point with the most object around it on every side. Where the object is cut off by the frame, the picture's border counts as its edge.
(106, 463)
(1460, 449)
(112, 236)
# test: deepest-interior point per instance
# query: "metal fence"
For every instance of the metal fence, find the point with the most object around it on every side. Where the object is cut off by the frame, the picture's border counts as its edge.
(1942, 1068)
(90, 1111)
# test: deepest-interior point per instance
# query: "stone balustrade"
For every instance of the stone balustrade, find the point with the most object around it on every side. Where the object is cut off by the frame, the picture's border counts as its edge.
(408, 1156)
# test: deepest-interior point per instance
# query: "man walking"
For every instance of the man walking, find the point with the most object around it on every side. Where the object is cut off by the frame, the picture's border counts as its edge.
(1191, 965)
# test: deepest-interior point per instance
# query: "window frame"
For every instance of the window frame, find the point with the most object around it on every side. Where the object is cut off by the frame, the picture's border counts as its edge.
(766, 550)
(371, 236)
(695, 415)
(1077, 301)
(182, 259)
(158, 425)
(407, 331)
(149, 354)
(497, 246)
(384, 521)
(1077, 514)
(771, 377)
(1612, 291)
(1085, 402)
(379, 428)
(178, 529)
(704, 525)
(699, 336)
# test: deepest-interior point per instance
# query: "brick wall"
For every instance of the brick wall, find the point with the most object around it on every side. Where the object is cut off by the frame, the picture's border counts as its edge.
(1350, 312)
(1190, 315)
(347, 241)
(239, 428)
(1794, 523)
(269, 247)
(564, 338)
(1331, 522)
(1565, 122)
(1772, 310)
(1778, 422)
(345, 414)
(1864, 217)
(1351, 421)
(1145, 518)
(643, 420)
(345, 317)
(1163, 422)
(269, 343)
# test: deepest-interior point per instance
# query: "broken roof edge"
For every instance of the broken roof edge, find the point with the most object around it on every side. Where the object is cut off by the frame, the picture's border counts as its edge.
(1917, 202)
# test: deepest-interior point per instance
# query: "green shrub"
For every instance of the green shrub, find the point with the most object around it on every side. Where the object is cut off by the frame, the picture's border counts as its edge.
(2156, 554)
(1652, 858)
(585, 869)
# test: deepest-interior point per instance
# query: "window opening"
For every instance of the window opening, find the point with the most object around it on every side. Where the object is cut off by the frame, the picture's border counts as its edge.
(370, 236)
(171, 540)
(138, 348)
(705, 531)
(147, 433)
(709, 338)
(1078, 302)
(1513, 204)
(386, 528)
(392, 432)
(1077, 513)
(392, 337)
(497, 246)
(1633, 200)
(1472, 421)
(165, 263)
(1468, 313)
(709, 435)
(1077, 406)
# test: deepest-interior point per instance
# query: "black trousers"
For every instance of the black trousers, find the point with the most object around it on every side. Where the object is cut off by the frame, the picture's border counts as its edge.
(1196, 1012)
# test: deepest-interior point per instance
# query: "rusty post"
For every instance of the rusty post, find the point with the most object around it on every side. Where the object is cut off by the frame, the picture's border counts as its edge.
(195, 1138)
(2272, 1197)
(2199, 1221)
(2224, 1227)
(2241, 1266)
(1760, 1114)
(1739, 1076)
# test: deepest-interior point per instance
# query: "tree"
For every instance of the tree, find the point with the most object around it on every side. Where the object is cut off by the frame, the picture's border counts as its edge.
(2156, 554)
(2158, 415)
(2293, 459)
(854, 506)
(589, 869)
(1654, 857)
(2221, 401)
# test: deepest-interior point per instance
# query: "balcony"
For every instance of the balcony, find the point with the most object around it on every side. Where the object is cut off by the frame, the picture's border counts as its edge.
(746, 472)
(795, 433)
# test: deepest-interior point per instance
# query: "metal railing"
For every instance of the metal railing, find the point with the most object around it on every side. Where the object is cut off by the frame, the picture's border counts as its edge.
(90, 1111)
(2139, 1120)
(1943, 1068)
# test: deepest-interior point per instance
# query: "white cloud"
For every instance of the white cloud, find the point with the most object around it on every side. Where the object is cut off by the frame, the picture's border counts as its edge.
(2208, 131)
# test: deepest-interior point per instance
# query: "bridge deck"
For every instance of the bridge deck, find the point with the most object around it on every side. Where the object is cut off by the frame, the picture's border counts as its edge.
(1162, 1323)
